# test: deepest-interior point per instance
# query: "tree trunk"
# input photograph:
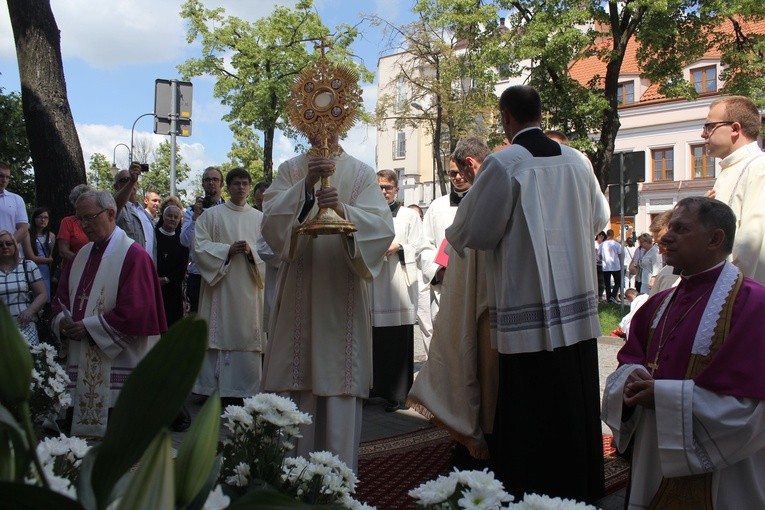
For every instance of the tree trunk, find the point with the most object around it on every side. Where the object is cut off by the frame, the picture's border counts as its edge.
(268, 154)
(53, 142)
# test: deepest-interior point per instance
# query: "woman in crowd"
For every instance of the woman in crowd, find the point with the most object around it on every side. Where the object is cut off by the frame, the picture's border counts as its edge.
(629, 256)
(172, 259)
(650, 262)
(39, 244)
(70, 235)
(21, 287)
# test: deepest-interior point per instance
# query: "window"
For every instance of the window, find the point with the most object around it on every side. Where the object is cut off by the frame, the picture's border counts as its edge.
(399, 145)
(702, 164)
(625, 93)
(401, 94)
(704, 79)
(663, 163)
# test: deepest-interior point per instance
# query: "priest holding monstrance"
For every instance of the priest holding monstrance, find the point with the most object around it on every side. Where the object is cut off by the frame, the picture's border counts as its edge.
(327, 221)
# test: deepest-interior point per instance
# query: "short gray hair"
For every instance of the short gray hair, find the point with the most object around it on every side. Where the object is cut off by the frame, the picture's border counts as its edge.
(471, 146)
(76, 192)
(104, 199)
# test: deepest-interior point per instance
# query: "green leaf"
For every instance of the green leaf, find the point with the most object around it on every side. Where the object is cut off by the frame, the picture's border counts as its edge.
(7, 467)
(149, 401)
(269, 499)
(197, 453)
(201, 498)
(21, 451)
(152, 484)
(84, 486)
(31, 497)
(15, 361)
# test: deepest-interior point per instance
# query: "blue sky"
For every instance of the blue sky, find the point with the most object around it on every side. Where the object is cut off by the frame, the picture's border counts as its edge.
(113, 51)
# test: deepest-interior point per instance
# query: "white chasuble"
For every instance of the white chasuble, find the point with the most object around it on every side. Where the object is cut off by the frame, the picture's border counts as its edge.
(320, 328)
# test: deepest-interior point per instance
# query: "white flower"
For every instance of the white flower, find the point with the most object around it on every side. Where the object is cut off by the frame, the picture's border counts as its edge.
(434, 491)
(216, 500)
(537, 502)
(241, 475)
(78, 446)
(349, 502)
(237, 415)
(479, 498)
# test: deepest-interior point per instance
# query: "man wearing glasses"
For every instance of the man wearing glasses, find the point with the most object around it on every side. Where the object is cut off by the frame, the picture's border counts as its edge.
(131, 216)
(108, 309)
(438, 218)
(13, 213)
(212, 182)
(730, 133)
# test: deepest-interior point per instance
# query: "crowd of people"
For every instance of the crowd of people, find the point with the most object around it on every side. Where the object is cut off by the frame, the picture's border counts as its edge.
(498, 274)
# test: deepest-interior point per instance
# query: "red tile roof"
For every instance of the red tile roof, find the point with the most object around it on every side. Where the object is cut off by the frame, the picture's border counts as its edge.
(592, 70)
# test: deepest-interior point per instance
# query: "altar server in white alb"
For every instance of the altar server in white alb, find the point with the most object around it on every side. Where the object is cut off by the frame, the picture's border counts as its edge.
(690, 388)
(231, 297)
(394, 302)
(320, 351)
(536, 206)
(730, 133)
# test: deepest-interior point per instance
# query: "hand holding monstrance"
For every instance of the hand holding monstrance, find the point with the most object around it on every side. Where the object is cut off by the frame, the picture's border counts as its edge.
(323, 104)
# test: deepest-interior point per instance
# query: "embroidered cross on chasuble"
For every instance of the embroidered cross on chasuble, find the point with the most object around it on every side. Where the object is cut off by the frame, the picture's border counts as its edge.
(694, 492)
(92, 396)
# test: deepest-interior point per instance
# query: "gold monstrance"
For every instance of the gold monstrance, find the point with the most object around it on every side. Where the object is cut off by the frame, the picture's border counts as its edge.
(325, 101)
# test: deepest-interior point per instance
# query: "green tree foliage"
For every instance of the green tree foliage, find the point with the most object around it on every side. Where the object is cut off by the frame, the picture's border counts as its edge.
(99, 176)
(158, 177)
(672, 34)
(255, 63)
(453, 92)
(14, 147)
(246, 152)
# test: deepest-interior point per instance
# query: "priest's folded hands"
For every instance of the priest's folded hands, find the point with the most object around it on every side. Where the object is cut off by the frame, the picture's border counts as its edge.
(639, 390)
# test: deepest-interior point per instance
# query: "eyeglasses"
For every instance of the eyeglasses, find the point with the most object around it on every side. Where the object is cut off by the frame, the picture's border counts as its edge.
(211, 179)
(711, 126)
(387, 187)
(42, 218)
(7, 244)
(453, 174)
(90, 217)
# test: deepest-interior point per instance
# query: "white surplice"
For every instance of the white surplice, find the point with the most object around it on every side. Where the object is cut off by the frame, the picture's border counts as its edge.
(320, 329)
(692, 431)
(231, 299)
(741, 185)
(537, 216)
(437, 219)
(394, 291)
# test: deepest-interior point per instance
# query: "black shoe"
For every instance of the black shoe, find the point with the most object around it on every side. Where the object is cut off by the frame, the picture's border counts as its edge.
(394, 406)
(182, 422)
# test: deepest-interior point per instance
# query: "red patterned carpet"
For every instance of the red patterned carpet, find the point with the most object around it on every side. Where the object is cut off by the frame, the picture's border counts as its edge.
(389, 468)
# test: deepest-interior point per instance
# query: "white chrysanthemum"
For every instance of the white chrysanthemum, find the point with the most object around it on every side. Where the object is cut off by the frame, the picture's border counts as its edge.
(479, 498)
(216, 500)
(54, 446)
(352, 504)
(537, 502)
(275, 409)
(434, 491)
(241, 476)
(78, 446)
(237, 415)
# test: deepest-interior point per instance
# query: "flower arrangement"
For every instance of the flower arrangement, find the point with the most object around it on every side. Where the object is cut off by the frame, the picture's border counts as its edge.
(462, 489)
(60, 458)
(261, 434)
(479, 490)
(321, 479)
(49, 381)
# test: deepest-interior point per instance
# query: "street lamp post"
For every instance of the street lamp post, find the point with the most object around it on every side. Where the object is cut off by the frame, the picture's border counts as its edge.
(114, 169)
(132, 130)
